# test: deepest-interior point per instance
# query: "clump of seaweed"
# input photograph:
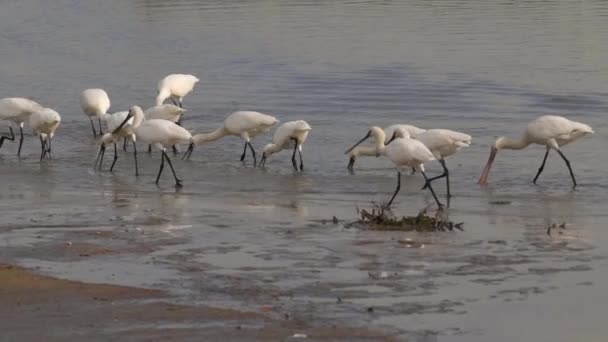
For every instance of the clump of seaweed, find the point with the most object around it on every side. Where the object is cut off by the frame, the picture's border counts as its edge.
(382, 218)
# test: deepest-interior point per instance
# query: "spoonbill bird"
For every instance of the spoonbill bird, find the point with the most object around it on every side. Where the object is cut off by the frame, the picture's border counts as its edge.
(244, 124)
(45, 122)
(113, 121)
(403, 152)
(157, 132)
(175, 87)
(369, 151)
(95, 103)
(169, 112)
(443, 143)
(549, 130)
(17, 110)
(292, 132)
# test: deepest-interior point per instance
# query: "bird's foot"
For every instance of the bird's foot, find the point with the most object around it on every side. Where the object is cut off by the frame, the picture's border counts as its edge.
(178, 183)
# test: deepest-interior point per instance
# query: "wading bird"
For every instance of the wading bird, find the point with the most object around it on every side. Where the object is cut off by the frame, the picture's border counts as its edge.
(175, 87)
(549, 130)
(403, 152)
(290, 133)
(443, 143)
(370, 151)
(95, 103)
(244, 124)
(157, 132)
(44, 122)
(167, 111)
(114, 121)
(17, 110)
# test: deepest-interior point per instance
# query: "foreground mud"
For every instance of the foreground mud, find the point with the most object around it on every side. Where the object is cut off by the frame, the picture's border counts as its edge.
(36, 307)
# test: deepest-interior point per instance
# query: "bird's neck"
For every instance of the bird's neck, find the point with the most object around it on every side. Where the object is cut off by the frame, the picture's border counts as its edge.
(207, 137)
(138, 118)
(162, 96)
(512, 144)
(272, 148)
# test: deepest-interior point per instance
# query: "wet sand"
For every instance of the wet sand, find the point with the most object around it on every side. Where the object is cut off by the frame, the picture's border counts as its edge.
(38, 307)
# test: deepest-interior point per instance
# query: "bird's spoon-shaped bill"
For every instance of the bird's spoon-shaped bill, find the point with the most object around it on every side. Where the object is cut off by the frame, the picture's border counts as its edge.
(360, 141)
(483, 179)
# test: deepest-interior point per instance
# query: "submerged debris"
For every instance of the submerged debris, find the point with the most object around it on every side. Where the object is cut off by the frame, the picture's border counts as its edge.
(561, 226)
(382, 218)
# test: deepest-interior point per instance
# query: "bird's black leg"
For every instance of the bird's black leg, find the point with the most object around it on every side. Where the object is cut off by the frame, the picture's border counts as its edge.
(431, 188)
(293, 156)
(351, 164)
(42, 148)
(135, 156)
(11, 138)
(413, 171)
(174, 101)
(174, 149)
(100, 131)
(48, 145)
(93, 128)
(162, 164)
(188, 152)
(255, 162)
(569, 167)
(99, 155)
(124, 144)
(181, 105)
(446, 174)
(149, 148)
(178, 182)
(115, 158)
(542, 167)
(244, 151)
(388, 205)
(20, 141)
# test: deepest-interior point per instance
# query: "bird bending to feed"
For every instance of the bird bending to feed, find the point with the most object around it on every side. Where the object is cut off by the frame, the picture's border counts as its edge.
(549, 130)
(166, 111)
(113, 121)
(244, 124)
(44, 122)
(17, 110)
(175, 87)
(290, 133)
(95, 103)
(157, 132)
(443, 143)
(370, 151)
(403, 152)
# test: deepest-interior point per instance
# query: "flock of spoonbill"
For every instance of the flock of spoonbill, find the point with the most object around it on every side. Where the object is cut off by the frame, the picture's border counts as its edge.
(406, 146)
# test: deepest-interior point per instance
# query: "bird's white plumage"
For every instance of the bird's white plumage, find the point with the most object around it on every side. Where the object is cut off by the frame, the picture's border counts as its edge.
(413, 131)
(17, 109)
(175, 85)
(165, 111)
(94, 102)
(405, 152)
(114, 120)
(162, 133)
(284, 135)
(443, 142)
(245, 124)
(45, 122)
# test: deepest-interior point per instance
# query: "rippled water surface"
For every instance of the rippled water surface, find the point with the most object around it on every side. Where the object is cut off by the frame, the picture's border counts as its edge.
(481, 67)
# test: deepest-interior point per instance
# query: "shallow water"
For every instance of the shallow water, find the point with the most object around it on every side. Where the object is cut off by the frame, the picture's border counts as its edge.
(485, 68)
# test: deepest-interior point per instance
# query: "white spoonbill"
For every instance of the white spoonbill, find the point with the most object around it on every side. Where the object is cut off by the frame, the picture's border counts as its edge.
(167, 111)
(95, 103)
(157, 132)
(175, 87)
(549, 130)
(403, 152)
(114, 121)
(45, 122)
(17, 110)
(244, 124)
(369, 151)
(443, 143)
(290, 133)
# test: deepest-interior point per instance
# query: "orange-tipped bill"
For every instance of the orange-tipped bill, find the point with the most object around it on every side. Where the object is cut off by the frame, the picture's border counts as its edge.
(483, 179)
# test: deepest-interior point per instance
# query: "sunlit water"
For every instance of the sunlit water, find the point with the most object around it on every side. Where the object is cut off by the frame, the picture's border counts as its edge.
(485, 68)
